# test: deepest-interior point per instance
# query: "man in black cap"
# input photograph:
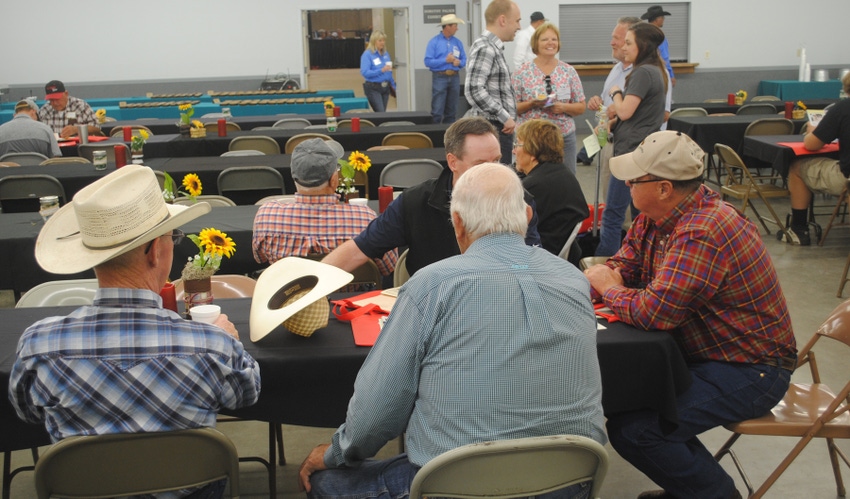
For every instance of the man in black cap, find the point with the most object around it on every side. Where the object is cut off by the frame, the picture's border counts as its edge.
(522, 50)
(655, 15)
(64, 113)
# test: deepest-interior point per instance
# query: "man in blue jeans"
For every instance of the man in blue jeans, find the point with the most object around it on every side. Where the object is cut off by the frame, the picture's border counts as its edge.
(693, 266)
(445, 57)
(496, 343)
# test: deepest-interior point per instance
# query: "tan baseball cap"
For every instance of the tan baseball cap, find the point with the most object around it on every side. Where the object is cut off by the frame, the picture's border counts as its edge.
(668, 155)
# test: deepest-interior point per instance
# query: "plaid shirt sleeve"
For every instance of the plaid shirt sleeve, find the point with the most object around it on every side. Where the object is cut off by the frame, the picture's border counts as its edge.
(483, 87)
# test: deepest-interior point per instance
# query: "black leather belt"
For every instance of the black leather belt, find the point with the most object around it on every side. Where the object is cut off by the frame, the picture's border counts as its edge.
(382, 84)
(787, 363)
(448, 72)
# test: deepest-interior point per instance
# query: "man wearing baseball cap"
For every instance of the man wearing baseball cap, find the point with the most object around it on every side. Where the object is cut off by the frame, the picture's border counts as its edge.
(24, 133)
(693, 266)
(125, 364)
(522, 48)
(64, 113)
(445, 57)
(315, 222)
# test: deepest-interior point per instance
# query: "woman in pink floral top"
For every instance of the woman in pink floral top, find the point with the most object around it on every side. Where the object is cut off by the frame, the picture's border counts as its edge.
(550, 89)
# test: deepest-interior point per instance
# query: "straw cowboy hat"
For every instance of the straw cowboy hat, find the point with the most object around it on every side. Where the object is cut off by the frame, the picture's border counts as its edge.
(107, 218)
(293, 292)
(450, 19)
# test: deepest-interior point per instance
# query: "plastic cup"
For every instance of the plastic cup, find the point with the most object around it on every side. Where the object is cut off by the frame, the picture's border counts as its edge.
(205, 313)
(128, 133)
(789, 110)
(355, 124)
(359, 201)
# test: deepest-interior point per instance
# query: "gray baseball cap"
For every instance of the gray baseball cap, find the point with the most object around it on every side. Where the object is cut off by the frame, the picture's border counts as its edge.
(314, 161)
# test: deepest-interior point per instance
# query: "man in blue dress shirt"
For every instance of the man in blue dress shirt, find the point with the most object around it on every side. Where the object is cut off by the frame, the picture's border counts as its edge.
(445, 57)
(496, 343)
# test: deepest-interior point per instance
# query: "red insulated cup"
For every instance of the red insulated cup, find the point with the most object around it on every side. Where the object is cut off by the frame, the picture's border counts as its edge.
(222, 127)
(730, 99)
(120, 155)
(169, 297)
(385, 197)
(128, 134)
(336, 111)
(355, 124)
(789, 110)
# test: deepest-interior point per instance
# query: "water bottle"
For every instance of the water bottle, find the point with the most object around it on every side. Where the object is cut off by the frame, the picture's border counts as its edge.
(602, 126)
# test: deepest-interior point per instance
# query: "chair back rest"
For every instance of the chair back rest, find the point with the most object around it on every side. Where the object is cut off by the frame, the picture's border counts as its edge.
(20, 193)
(404, 173)
(565, 251)
(346, 124)
(262, 143)
(87, 150)
(119, 130)
(387, 148)
(400, 274)
(214, 115)
(213, 199)
(770, 126)
(513, 468)
(127, 464)
(589, 261)
(837, 325)
(413, 140)
(24, 158)
(212, 128)
(360, 110)
(248, 184)
(765, 98)
(398, 123)
(301, 137)
(283, 198)
(715, 101)
(59, 293)
(243, 152)
(689, 111)
(291, 123)
(368, 273)
(757, 108)
(160, 178)
(223, 286)
(8, 164)
(64, 160)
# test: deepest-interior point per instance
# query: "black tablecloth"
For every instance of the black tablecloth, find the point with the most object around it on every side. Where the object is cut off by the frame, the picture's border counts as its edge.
(766, 149)
(166, 126)
(724, 107)
(75, 176)
(709, 130)
(173, 145)
(309, 381)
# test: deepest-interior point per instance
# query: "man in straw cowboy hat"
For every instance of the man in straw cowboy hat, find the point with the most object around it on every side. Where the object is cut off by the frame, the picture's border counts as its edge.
(692, 265)
(125, 364)
(465, 352)
(445, 57)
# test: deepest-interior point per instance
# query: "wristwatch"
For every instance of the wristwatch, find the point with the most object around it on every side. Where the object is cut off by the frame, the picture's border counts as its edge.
(615, 92)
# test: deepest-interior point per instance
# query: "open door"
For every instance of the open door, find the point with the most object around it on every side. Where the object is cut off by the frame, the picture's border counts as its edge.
(401, 63)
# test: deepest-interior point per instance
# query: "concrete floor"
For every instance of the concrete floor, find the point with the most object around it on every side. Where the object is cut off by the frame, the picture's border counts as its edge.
(809, 278)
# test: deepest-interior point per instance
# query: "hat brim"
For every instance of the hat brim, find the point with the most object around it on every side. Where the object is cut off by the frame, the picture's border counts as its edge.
(284, 278)
(54, 95)
(59, 248)
(623, 167)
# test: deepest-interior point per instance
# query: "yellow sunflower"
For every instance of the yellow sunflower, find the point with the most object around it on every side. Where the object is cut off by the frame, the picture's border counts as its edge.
(359, 161)
(192, 183)
(184, 107)
(217, 242)
(144, 134)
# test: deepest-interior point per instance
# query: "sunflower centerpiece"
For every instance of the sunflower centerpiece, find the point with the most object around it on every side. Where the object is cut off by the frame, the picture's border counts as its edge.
(191, 183)
(213, 245)
(357, 162)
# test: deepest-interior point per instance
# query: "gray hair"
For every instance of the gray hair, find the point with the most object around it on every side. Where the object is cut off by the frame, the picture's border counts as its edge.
(489, 199)
(629, 20)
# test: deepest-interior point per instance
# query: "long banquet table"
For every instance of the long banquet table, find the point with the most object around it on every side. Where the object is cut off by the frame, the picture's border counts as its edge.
(709, 130)
(308, 381)
(75, 176)
(767, 149)
(165, 125)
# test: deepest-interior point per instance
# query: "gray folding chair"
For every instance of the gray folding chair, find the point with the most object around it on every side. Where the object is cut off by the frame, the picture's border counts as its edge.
(262, 143)
(248, 184)
(404, 173)
(398, 123)
(20, 193)
(757, 108)
(213, 199)
(59, 293)
(413, 140)
(58, 160)
(24, 158)
(119, 130)
(127, 464)
(513, 468)
(688, 111)
(292, 123)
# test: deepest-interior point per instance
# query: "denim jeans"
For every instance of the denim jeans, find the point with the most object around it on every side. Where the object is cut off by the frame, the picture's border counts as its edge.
(617, 200)
(377, 95)
(445, 91)
(721, 393)
(570, 152)
(391, 479)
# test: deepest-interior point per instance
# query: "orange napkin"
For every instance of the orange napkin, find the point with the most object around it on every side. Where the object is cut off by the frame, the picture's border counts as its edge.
(605, 312)
(800, 149)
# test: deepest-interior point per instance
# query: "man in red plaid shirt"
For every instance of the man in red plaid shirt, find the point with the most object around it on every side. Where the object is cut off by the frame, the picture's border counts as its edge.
(693, 266)
(316, 222)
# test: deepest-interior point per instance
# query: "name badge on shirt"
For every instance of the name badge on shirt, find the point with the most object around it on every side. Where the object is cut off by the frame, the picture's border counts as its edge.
(456, 52)
(377, 61)
(563, 93)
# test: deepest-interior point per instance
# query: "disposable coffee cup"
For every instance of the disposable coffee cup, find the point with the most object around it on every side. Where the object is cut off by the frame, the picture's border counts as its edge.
(205, 313)
(389, 64)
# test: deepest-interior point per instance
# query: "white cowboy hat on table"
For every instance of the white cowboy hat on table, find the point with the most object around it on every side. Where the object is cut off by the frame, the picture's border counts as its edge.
(107, 218)
(292, 285)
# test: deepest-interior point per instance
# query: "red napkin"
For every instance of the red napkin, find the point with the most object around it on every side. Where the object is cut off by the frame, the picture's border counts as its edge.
(800, 149)
(605, 315)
